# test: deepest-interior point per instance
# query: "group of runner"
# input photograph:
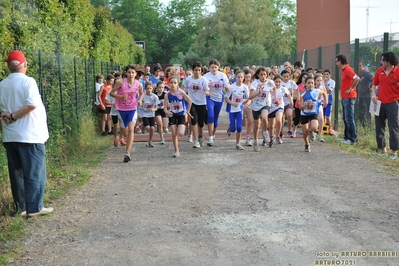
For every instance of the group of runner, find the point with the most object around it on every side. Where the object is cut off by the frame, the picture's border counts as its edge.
(260, 97)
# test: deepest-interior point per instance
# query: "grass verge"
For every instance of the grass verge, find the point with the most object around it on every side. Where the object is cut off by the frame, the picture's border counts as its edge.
(82, 156)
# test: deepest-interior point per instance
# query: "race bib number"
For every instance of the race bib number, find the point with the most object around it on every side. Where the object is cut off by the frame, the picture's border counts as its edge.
(161, 104)
(148, 106)
(310, 108)
(176, 107)
(236, 99)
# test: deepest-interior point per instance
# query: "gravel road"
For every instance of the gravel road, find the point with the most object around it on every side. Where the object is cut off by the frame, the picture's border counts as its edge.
(220, 206)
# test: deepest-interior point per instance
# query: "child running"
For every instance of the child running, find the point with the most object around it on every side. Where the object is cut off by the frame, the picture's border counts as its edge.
(277, 109)
(260, 93)
(150, 105)
(288, 105)
(237, 95)
(247, 114)
(218, 83)
(124, 92)
(160, 117)
(197, 88)
(309, 105)
(175, 110)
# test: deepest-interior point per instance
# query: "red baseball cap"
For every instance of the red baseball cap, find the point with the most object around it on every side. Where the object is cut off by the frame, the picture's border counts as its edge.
(16, 58)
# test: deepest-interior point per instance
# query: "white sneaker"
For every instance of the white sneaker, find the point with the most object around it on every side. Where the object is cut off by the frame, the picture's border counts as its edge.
(196, 144)
(43, 211)
(312, 136)
(176, 154)
(210, 141)
(248, 142)
(266, 135)
(201, 141)
(256, 147)
(162, 141)
(190, 138)
(347, 142)
(166, 131)
(320, 139)
(239, 147)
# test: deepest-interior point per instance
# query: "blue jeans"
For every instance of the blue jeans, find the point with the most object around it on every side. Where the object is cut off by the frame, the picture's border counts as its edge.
(27, 170)
(348, 114)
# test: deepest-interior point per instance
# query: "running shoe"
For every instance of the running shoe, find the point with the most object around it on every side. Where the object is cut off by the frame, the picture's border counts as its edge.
(150, 144)
(196, 144)
(289, 134)
(320, 139)
(210, 141)
(116, 141)
(294, 134)
(248, 142)
(176, 154)
(256, 146)
(279, 140)
(271, 142)
(228, 131)
(266, 135)
(162, 141)
(312, 136)
(307, 148)
(103, 133)
(201, 141)
(126, 159)
(123, 142)
(239, 147)
(190, 138)
(166, 131)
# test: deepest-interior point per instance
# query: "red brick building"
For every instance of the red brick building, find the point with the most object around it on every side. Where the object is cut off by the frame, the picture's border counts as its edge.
(322, 23)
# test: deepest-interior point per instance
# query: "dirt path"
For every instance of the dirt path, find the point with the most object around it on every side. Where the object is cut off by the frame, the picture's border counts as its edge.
(219, 206)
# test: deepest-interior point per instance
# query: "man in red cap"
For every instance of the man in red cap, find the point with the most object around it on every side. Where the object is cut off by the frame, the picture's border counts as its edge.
(24, 129)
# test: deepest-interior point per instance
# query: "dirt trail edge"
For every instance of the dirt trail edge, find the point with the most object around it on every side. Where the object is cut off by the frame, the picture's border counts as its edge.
(220, 206)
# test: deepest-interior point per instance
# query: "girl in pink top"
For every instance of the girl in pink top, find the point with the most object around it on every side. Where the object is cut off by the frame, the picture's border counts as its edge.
(297, 96)
(124, 92)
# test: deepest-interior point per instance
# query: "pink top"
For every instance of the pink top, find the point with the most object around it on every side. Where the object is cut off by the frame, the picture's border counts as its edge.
(131, 102)
(301, 88)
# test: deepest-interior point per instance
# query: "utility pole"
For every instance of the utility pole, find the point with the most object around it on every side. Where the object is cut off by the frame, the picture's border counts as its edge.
(367, 17)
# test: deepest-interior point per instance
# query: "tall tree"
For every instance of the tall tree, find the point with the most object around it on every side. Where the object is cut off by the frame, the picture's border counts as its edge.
(181, 18)
(238, 23)
(143, 20)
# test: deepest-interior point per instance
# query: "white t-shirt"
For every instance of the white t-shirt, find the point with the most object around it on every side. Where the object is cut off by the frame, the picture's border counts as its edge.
(149, 102)
(281, 92)
(262, 99)
(16, 91)
(112, 100)
(98, 87)
(292, 87)
(238, 94)
(196, 88)
(219, 82)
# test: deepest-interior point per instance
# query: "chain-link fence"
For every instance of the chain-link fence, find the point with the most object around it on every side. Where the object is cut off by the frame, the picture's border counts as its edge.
(369, 50)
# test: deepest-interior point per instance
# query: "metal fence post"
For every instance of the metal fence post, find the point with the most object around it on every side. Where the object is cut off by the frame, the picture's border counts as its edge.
(60, 81)
(41, 81)
(87, 81)
(356, 68)
(305, 59)
(76, 87)
(337, 85)
(386, 41)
